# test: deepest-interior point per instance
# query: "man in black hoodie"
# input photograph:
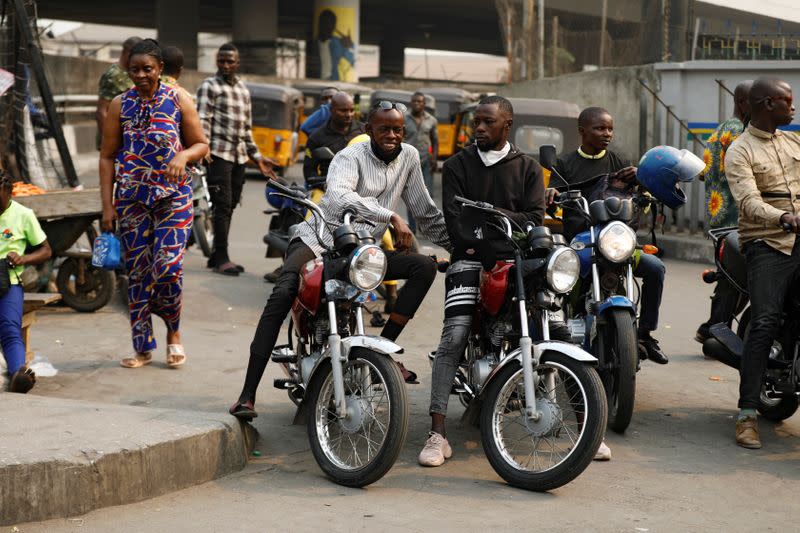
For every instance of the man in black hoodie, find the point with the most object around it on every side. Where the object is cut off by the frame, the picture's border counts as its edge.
(493, 171)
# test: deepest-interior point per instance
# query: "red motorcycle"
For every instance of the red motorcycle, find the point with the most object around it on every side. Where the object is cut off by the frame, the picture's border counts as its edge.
(347, 383)
(543, 410)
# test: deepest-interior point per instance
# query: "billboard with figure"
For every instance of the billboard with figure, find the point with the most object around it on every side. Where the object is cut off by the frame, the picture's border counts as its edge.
(335, 41)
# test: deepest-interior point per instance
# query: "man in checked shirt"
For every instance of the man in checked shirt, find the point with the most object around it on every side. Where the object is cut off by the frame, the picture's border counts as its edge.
(223, 103)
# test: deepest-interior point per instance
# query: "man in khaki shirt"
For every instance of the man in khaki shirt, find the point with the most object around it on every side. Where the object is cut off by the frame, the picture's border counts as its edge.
(763, 171)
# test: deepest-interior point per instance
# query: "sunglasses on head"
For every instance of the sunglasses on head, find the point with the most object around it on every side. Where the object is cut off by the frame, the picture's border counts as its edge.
(386, 105)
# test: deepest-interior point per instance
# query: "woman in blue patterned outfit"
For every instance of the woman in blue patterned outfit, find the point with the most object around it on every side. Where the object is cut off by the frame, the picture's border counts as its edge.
(151, 132)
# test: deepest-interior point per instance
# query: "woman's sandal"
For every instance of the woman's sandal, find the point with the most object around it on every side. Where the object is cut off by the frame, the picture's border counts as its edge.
(138, 361)
(176, 355)
(22, 381)
(244, 411)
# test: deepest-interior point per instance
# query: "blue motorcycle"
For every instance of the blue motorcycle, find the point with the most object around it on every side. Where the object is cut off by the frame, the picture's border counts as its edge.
(603, 308)
(601, 311)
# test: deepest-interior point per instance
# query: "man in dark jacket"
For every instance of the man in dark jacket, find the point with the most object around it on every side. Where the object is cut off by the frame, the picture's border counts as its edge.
(335, 134)
(493, 171)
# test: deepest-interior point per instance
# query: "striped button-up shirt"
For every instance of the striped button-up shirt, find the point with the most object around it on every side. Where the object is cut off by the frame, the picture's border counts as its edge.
(358, 180)
(226, 116)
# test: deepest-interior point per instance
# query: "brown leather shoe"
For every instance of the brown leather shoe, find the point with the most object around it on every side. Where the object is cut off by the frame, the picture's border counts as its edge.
(747, 433)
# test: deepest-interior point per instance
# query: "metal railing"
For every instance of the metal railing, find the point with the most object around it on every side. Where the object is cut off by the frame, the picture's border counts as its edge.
(73, 107)
(658, 124)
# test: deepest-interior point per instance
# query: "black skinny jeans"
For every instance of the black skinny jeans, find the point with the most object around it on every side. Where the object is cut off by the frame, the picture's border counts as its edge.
(418, 270)
(225, 183)
(769, 276)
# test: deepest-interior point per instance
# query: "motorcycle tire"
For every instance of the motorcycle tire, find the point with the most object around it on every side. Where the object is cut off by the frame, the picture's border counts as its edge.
(322, 423)
(203, 227)
(502, 396)
(93, 294)
(775, 410)
(779, 409)
(619, 381)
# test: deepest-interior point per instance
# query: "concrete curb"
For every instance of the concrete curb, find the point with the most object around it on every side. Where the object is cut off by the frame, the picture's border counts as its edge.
(695, 248)
(62, 458)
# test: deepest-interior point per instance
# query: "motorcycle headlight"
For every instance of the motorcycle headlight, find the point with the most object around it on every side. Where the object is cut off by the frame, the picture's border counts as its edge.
(367, 267)
(617, 242)
(563, 269)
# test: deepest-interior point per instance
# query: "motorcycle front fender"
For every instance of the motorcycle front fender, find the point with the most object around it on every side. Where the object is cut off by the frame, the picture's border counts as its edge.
(616, 302)
(370, 342)
(570, 350)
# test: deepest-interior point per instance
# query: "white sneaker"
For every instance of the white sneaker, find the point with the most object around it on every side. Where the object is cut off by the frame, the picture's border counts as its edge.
(603, 453)
(436, 450)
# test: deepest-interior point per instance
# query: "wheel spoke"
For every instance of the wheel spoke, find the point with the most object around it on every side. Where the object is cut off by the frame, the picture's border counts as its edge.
(358, 439)
(538, 446)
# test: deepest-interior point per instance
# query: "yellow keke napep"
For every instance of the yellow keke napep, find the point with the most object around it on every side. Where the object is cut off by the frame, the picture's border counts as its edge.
(276, 115)
(449, 101)
(537, 121)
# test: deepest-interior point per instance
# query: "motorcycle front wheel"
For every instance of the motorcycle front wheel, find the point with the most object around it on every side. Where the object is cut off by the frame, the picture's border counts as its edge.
(360, 448)
(545, 454)
(617, 341)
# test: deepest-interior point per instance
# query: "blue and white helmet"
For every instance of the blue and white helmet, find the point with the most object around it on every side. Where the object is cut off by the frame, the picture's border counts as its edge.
(661, 170)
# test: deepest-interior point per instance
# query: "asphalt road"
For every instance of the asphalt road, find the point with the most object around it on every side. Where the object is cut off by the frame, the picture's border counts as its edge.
(676, 468)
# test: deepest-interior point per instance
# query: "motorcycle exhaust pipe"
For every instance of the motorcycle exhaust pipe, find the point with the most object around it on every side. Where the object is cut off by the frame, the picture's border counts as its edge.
(716, 350)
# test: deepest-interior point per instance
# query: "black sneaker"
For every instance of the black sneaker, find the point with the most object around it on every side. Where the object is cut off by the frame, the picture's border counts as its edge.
(650, 346)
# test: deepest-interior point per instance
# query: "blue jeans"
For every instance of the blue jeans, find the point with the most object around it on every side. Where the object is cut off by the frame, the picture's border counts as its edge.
(11, 328)
(427, 177)
(652, 270)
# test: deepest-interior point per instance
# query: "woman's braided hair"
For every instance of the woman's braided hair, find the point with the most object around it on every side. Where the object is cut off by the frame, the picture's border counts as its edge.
(148, 47)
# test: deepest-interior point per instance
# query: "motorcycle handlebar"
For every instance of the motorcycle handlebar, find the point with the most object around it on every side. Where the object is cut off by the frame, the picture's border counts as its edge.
(293, 193)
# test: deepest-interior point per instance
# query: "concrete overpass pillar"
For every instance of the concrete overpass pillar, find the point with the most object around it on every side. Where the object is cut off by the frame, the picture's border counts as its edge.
(392, 57)
(332, 51)
(255, 33)
(177, 24)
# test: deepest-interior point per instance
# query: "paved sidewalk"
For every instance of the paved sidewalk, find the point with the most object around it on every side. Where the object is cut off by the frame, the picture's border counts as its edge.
(63, 457)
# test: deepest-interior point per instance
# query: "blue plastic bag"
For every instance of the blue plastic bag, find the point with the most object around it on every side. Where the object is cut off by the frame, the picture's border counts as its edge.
(106, 252)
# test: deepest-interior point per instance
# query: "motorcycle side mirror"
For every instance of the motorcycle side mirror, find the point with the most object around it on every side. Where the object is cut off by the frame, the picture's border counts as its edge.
(323, 153)
(547, 156)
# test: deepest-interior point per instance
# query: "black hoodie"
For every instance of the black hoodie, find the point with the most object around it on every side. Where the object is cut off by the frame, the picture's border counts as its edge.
(513, 185)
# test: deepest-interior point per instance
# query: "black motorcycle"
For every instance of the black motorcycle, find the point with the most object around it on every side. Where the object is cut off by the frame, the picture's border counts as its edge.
(781, 386)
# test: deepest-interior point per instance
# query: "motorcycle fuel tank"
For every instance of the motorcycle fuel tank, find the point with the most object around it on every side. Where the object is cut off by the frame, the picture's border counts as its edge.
(308, 295)
(494, 285)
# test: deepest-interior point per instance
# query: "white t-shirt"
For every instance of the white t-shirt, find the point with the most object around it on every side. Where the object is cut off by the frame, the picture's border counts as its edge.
(490, 157)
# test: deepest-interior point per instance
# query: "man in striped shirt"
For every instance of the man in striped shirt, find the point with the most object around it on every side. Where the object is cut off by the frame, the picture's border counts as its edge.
(223, 103)
(370, 178)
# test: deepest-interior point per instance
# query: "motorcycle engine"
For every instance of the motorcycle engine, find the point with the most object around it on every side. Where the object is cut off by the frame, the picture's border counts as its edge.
(498, 332)
(321, 331)
(481, 368)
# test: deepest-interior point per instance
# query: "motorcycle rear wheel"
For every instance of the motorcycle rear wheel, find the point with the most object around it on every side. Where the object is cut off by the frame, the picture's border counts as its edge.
(544, 455)
(618, 340)
(359, 449)
(203, 227)
(774, 409)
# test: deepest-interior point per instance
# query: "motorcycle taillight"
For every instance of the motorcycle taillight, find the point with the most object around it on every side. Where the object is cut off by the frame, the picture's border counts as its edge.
(721, 249)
